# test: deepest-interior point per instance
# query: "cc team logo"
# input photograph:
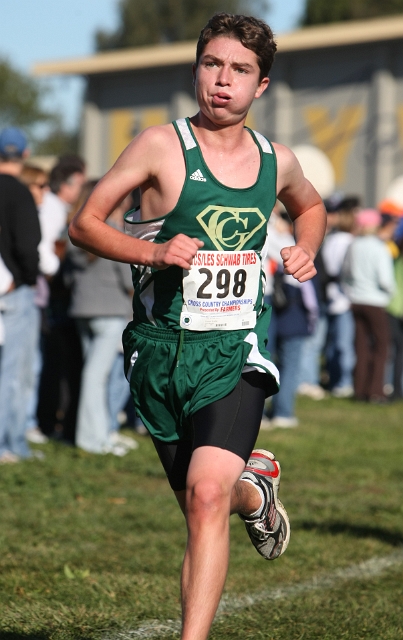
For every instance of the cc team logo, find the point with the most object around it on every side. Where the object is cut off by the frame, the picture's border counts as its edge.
(230, 228)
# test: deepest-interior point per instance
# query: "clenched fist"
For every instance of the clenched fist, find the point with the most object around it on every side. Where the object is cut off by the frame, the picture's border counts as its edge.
(178, 251)
(298, 263)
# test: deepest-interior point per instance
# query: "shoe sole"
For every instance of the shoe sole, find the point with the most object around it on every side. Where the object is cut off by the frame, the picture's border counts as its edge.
(278, 504)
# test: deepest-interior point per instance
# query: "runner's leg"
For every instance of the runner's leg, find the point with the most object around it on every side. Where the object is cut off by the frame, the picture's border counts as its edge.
(244, 499)
(221, 448)
(220, 424)
(212, 475)
(224, 435)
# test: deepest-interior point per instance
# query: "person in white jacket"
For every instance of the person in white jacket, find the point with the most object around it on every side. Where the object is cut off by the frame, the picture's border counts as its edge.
(340, 352)
(6, 281)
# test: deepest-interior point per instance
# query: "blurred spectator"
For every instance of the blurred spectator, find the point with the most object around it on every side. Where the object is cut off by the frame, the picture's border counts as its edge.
(309, 378)
(340, 353)
(276, 238)
(395, 314)
(19, 240)
(73, 160)
(387, 231)
(391, 208)
(65, 182)
(295, 320)
(101, 305)
(6, 280)
(368, 280)
(121, 406)
(37, 181)
(294, 313)
(313, 374)
(62, 359)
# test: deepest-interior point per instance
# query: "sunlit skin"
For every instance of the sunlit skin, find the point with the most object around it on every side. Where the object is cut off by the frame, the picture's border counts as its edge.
(154, 162)
(227, 80)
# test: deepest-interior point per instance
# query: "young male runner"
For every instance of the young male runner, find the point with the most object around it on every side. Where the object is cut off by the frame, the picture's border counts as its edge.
(195, 353)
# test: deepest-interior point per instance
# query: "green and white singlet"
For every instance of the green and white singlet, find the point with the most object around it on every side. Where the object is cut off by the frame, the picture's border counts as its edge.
(194, 332)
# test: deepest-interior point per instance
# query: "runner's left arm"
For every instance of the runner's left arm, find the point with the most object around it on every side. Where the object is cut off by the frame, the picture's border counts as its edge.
(306, 209)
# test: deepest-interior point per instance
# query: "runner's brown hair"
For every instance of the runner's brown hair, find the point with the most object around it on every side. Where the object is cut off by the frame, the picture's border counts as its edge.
(253, 33)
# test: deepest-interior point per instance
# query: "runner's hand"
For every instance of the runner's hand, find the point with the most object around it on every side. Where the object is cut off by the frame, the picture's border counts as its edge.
(179, 251)
(298, 263)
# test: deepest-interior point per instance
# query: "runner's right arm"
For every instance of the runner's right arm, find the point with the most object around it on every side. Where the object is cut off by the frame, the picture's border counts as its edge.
(138, 164)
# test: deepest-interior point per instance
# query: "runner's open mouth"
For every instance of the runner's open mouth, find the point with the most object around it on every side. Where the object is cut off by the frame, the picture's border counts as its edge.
(221, 98)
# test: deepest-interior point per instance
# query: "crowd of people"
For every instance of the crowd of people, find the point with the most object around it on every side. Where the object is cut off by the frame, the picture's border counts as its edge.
(63, 310)
(62, 313)
(195, 354)
(341, 333)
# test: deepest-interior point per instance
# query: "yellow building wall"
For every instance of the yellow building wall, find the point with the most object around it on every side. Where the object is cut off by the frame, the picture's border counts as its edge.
(335, 136)
(124, 124)
(121, 123)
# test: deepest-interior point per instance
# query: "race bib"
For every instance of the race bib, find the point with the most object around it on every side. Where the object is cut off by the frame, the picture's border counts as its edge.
(220, 291)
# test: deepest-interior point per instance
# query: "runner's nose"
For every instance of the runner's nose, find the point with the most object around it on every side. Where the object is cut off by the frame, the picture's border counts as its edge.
(224, 76)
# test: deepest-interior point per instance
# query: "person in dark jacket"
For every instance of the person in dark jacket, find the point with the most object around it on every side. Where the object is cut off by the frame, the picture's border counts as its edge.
(19, 239)
(294, 318)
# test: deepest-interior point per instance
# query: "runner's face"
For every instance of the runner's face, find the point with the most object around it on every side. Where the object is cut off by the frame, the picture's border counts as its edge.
(227, 80)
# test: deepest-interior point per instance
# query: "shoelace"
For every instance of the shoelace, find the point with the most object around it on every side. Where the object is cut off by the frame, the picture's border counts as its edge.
(267, 524)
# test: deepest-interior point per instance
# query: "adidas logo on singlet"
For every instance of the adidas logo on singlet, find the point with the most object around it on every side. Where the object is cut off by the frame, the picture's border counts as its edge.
(197, 175)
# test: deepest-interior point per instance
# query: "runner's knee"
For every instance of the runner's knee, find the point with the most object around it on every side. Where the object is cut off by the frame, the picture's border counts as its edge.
(206, 497)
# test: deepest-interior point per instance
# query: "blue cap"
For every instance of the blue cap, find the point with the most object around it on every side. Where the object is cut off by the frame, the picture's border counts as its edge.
(13, 142)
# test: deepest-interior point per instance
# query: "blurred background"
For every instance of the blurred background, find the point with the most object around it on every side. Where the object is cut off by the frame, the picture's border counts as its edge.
(79, 553)
(79, 81)
(86, 77)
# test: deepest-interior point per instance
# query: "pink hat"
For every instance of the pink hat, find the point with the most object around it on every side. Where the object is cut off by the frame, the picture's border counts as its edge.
(368, 218)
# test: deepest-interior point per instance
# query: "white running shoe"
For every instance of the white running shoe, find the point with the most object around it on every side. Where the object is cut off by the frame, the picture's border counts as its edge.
(126, 441)
(282, 422)
(265, 424)
(36, 436)
(9, 458)
(313, 391)
(269, 533)
(342, 392)
(115, 449)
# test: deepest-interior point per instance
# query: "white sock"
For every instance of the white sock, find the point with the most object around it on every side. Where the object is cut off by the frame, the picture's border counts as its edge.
(258, 512)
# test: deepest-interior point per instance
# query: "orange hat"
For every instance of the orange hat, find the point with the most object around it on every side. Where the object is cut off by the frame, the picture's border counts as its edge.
(390, 207)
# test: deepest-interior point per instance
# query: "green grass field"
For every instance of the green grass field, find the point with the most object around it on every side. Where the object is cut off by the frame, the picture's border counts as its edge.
(91, 546)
